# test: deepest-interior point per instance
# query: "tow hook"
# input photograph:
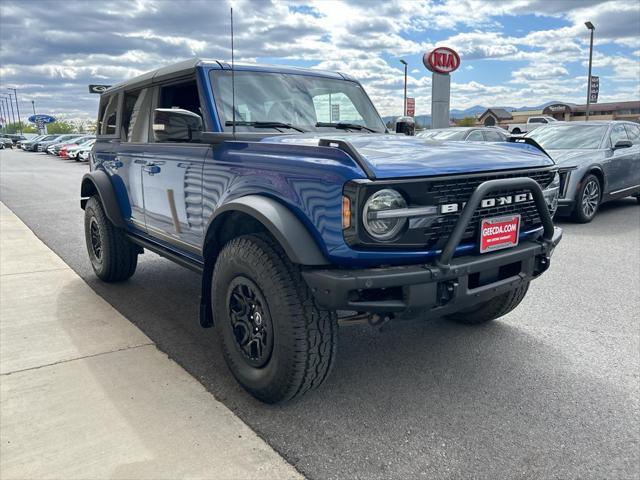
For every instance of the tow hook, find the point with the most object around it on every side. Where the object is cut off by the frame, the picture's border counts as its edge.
(447, 291)
(377, 320)
(542, 264)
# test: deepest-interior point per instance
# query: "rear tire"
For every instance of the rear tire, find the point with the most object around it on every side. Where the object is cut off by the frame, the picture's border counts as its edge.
(491, 309)
(588, 200)
(276, 341)
(113, 257)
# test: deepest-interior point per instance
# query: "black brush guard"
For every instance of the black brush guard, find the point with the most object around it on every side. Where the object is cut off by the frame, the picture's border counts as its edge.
(442, 286)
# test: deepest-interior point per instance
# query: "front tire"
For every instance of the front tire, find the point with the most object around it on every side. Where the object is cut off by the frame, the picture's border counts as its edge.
(491, 309)
(113, 257)
(276, 341)
(588, 200)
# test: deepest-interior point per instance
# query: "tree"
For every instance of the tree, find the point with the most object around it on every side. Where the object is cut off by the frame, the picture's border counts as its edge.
(466, 122)
(15, 128)
(60, 126)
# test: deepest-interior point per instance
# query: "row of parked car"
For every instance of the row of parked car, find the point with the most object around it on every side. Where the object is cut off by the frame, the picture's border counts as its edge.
(72, 146)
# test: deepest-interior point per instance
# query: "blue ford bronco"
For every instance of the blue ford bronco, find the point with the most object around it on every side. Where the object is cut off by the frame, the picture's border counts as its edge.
(284, 189)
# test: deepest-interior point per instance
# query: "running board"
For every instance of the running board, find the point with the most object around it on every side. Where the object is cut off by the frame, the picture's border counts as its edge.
(166, 253)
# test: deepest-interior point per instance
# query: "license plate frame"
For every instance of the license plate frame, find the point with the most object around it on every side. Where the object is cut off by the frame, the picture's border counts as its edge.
(506, 237)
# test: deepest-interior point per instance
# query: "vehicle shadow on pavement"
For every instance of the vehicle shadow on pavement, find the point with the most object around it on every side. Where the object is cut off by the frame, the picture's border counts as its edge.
(606, 219)
(437, 394)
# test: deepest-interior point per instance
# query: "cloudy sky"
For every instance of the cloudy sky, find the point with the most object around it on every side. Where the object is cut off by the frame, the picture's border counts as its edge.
(514, 53)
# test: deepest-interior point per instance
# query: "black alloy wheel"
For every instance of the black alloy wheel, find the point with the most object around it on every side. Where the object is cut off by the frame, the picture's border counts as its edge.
(96, 242)
(250, 320)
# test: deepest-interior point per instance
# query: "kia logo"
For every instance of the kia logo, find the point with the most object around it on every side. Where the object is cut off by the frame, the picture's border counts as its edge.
(441, 60)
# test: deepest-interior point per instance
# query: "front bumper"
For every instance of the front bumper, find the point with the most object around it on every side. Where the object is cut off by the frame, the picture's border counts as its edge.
(565, 207)
(441, 290)
(450, 283)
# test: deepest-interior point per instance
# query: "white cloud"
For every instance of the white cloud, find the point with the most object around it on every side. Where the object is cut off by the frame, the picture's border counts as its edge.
(47, 60)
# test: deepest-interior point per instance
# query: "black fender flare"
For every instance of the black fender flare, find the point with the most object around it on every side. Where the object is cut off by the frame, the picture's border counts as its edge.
(97, 181)
(286, 228)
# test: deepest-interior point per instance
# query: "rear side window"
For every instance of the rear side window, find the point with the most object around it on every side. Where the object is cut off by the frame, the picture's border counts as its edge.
(618, 133)
(633, 131)
(491, 136)
(475, 136)
(537, 120)
(108, 115)
(136, 116)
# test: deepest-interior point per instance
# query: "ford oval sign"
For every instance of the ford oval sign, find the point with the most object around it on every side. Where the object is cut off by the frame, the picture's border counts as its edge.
(441, 60)
(41, 119)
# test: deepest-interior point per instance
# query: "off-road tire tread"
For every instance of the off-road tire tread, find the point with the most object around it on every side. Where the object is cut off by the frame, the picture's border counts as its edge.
(492, 309)
(121, 255)
(315, 329)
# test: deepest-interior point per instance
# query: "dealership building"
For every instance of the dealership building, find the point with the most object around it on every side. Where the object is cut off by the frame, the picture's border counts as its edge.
(567, 112)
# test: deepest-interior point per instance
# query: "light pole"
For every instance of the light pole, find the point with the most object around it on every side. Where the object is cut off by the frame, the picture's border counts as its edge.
(33, 104)
(4, 117)
(590, 26)
(15, 94)
(10, 103)
(404, 112)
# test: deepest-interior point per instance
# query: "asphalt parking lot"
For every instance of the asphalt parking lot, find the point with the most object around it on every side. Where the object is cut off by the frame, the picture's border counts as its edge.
(549, 391)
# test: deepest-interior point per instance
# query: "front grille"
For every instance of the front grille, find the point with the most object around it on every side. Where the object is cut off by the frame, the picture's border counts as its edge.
(459, 190)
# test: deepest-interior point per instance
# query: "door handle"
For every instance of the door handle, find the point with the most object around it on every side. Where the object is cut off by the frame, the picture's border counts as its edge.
(151, 168)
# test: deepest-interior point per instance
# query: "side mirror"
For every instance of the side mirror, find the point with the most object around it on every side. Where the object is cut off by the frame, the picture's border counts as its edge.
(176, 125)
(405, 125)
(622, 144)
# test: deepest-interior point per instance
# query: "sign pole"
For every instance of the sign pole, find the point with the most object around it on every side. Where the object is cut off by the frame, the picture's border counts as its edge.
(590, 26)
(440, 98)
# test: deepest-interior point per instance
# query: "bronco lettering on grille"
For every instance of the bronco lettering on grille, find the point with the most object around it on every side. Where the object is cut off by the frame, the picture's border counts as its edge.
(488, 202)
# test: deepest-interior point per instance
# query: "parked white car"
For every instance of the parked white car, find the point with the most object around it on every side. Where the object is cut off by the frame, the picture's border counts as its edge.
(532, 124)
(76, 152)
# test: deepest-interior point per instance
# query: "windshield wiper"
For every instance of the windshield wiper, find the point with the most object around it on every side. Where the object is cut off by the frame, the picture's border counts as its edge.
(346, 126)
(275, 125)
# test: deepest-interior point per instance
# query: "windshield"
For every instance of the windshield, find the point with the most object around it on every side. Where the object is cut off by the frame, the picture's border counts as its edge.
(566, 137)
(295, 102)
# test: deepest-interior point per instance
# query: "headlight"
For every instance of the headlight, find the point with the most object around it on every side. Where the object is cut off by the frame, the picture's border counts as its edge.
(376, 223)
(551, 194)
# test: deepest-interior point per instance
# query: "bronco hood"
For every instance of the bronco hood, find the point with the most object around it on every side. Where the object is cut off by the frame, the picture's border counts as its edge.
(399, 156)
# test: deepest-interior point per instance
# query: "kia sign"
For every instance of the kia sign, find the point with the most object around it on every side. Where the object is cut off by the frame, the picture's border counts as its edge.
(98, 88)
(41, 119)
(441, 60)
(411, 106)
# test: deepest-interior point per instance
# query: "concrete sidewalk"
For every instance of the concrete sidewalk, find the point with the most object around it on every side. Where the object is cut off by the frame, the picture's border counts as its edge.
(84, 394)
